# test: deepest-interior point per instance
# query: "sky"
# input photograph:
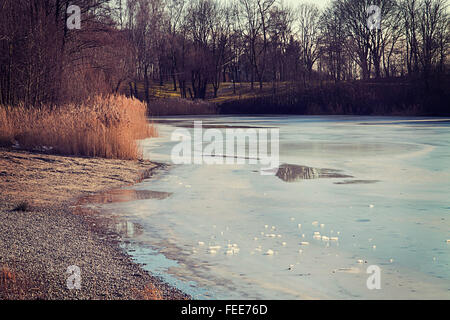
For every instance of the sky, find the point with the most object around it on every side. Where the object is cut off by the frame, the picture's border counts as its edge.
(320, 3)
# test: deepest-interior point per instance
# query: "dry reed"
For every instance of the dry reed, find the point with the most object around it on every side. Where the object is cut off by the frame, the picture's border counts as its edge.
(105, 127)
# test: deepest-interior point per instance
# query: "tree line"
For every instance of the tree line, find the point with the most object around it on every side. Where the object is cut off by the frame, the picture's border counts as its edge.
(200, 44)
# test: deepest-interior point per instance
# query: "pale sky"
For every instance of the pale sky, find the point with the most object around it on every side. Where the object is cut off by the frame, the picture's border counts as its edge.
(320, 3)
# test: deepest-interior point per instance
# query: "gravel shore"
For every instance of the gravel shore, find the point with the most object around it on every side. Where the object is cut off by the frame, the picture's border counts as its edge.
(39, 244)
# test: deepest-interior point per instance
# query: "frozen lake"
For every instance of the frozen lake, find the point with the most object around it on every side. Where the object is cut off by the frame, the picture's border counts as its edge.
(207, 229)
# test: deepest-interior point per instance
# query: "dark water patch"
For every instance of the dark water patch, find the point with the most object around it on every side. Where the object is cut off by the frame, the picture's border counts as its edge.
(190, 124)
(409, 122)
(222, 126)
(357, 182)
(363, 220)
(124, 195)
(292, 173)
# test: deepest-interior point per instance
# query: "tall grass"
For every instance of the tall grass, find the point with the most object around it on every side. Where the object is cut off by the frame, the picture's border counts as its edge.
(105, 127)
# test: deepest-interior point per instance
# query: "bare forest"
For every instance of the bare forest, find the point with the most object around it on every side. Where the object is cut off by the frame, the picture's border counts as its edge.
(244, 56)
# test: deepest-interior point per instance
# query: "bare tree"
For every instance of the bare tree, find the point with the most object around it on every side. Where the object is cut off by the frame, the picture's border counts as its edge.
(255, 15)
(309, 35)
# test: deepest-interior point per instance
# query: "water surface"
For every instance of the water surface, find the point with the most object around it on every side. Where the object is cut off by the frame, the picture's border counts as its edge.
(385, 201)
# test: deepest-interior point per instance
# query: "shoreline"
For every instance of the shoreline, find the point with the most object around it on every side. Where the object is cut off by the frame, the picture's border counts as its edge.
(43, 232)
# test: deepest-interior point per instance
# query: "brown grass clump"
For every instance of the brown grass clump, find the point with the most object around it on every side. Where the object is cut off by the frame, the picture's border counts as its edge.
(9, 286)
(150, 292)
(105, 127)
(17, 286)
(22, 206)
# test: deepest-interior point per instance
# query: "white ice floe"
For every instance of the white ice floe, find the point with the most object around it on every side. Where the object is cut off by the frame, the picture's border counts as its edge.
(304, 243)
(255, 238)
(371, 206)
(322, 225)
(391, 260)
(284, 244)
(334, 238)
(448, 241)
(299, 225)
(214, 247)
(292, 218)
(300, 251)
(201, 243)
(360, 261)
(315, 223)
(269, 252)
(374, 247)
(325, 238)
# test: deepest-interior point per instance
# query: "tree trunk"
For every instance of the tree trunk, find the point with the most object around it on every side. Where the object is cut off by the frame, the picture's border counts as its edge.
(146, 85)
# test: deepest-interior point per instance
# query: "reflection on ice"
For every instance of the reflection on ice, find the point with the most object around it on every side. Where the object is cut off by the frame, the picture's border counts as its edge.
(124, 195)
(291, 173)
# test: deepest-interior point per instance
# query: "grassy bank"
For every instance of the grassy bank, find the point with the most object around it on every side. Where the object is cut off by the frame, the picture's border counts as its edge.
(177, 106)
(100, 127)
(393, 96)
